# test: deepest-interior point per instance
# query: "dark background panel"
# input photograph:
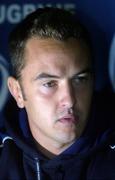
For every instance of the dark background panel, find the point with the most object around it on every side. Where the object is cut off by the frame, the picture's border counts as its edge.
(97, 15)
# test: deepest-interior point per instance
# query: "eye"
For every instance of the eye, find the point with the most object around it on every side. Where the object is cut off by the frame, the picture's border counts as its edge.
(50, 84)
(82, 78)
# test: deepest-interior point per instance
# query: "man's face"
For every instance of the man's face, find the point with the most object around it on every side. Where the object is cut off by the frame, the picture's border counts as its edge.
(56, 90)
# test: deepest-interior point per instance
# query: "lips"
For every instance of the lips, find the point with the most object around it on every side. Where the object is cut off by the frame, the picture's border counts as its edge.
(68, 119)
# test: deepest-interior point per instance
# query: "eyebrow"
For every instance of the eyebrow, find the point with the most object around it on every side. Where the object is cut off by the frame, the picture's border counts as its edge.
(46, 75)
(87, 70)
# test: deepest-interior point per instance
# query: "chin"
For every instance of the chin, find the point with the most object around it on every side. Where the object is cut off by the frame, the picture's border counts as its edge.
(65, 139)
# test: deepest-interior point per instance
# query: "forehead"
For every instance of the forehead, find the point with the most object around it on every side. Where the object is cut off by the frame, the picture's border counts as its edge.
(54, 54)
(49, 44)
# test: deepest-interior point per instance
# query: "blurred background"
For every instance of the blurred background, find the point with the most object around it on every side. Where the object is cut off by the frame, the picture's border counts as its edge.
(99, 18)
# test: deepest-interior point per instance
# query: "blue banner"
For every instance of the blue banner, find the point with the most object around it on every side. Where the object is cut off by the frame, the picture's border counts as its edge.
(98, 16)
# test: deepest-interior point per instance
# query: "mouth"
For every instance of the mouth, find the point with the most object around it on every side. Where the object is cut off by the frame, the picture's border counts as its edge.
(69, 119)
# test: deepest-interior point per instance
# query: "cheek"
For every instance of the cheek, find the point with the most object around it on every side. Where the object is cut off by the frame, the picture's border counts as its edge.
(84, 100)
(40, 109)
(40, 103)
(45, 104)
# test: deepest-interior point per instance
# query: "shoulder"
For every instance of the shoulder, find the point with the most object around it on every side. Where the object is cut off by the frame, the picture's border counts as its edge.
(8, 149)
(11, 161)
(102, 164)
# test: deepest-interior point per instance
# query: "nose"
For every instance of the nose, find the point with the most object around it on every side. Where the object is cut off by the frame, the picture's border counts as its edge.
(67, 96)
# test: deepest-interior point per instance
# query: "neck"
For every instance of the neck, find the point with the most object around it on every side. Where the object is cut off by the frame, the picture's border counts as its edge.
(51, 151)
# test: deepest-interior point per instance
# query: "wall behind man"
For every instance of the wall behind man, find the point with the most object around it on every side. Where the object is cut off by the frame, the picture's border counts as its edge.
(97, 15)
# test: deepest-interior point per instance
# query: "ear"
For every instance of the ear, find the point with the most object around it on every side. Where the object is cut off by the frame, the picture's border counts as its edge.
(15, 90)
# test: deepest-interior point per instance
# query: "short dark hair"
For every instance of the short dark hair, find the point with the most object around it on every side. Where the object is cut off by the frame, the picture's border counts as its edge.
(44, 23)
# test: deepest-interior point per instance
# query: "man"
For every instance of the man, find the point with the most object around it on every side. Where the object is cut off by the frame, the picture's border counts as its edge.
(52, 81)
